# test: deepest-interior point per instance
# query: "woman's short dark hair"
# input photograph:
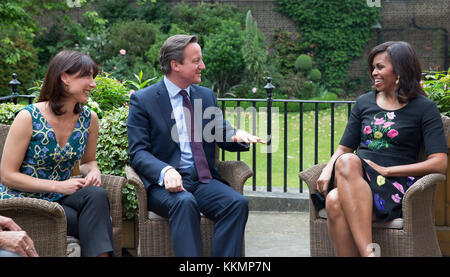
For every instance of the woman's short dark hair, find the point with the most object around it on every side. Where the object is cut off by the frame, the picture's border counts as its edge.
(70, 62)
(405, 63)
(173, 50)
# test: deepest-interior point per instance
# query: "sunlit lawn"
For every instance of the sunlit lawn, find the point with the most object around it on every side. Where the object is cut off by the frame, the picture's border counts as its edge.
(293, 145)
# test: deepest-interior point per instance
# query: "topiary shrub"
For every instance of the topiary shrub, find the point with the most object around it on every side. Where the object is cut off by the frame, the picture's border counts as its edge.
(315, 75)
(303, 84)
(303, 63)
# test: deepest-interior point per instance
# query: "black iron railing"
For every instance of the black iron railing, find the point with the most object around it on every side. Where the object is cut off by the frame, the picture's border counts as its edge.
(14, 98)
(267, 103)
(14, 84)
(301, 103)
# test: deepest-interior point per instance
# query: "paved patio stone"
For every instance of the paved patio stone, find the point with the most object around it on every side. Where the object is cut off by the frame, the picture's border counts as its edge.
(277, 234)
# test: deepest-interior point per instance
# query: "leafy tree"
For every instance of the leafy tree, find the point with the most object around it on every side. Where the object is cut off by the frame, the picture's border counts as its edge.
(134, 36)
(152, 54)
(204, 19)
(223, 56)
(17, 17)
(19, 27)
(116, 10)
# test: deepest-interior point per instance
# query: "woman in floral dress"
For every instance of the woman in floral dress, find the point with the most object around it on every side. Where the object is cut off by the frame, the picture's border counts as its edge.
(45, 141)
(387, 126)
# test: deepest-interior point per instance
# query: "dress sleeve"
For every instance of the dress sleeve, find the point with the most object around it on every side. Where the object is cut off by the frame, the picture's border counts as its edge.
(433, 130)
(352, 134)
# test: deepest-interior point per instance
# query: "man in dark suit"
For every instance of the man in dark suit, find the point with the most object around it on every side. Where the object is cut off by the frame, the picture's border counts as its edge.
(173, 127)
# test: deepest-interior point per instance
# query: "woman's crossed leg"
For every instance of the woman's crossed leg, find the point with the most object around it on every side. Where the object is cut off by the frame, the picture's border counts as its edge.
(349, 209)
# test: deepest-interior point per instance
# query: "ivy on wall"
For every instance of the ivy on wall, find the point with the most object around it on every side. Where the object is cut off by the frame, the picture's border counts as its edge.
(339, 30)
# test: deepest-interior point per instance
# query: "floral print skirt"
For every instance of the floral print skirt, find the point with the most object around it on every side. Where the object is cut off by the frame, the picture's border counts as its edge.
(387, 192)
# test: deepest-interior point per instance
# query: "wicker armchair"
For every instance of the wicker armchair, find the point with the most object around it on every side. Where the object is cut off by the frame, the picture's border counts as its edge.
(412, 235)
(45, 222)
(154, 233)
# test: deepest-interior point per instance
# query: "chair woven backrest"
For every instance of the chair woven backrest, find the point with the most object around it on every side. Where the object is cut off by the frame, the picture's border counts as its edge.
(4, 129)
(446, 122)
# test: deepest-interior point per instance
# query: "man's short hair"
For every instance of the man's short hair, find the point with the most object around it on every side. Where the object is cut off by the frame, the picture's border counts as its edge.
(173, 50)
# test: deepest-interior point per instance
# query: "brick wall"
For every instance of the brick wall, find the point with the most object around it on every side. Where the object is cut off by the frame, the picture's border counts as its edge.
(398, 14)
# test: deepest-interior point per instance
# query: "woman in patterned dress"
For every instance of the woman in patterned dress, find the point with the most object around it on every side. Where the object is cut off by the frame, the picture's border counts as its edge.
(45, 141)
(386, 127)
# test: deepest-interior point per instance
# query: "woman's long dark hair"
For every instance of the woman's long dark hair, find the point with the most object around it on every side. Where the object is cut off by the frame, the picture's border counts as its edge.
(406, 65)
(53, 89)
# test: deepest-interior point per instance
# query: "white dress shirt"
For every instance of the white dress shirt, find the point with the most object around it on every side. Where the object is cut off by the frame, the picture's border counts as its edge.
(176, 100)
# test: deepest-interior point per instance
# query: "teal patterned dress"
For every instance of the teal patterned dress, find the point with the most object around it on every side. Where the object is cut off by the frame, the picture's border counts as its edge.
(46, 159)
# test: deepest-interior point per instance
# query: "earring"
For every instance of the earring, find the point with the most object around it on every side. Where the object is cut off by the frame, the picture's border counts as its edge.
(397, 81)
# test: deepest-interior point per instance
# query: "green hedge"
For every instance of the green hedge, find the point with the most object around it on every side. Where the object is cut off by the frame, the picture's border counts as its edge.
(436, 85)
(8, 112)
(339, 31)
(112, 153)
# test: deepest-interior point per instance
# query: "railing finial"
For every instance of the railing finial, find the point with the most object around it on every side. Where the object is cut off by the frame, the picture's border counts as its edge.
(14, 84)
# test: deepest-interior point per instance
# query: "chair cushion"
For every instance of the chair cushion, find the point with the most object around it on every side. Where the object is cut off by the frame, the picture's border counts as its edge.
(393, 224)
(155, 216)
(323, 214)
(73, 247)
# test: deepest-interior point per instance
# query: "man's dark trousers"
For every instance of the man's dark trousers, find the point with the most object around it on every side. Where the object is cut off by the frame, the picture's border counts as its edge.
(215, 200)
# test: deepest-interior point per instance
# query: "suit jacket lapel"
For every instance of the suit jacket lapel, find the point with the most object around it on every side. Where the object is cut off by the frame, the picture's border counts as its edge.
(196, 95)
(166, 108)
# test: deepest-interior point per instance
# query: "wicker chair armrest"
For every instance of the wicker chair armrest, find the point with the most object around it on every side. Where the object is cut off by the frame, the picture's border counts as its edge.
(419, 199)
(51, 209)
(141, 193)
(310, 177)
(113, 186)
(44, 222)
(235, 173)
